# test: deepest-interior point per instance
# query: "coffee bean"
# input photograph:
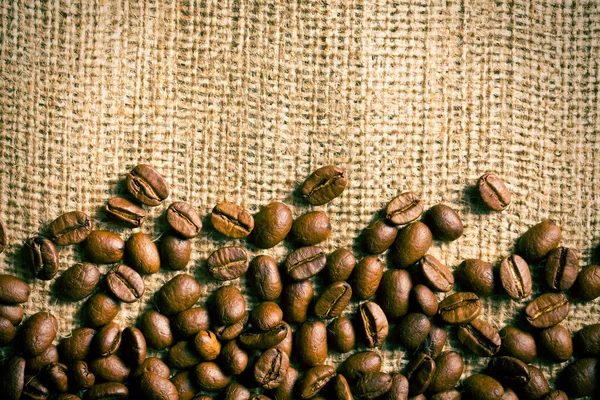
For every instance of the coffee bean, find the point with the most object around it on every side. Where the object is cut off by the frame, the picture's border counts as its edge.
(341, 388)
(229, 332)
(271, 225)
(236, 391)
(446, 395)
(515, 277)
(42, 257)
(56, 377)
(182, 355)
(340, 265)
(262, 340)
(539, 240)
(587, 341)
(108, 390)
(38, 332)
(126, 212)
(444, 222)
(228, 263)
(536, 388)
(366, 277)
(270, 368)
(556, 343)
(7, 331)
(13, 290)
(394, 292)
(38, 363)
(175, 252)
(437, 276)
(311, 343)
(142, 254)
(125, 283)
(404, 208)
(103, 247)
(509, 394)
(493, 192)
(78, 346)
(373, 385)
(266, 316)
(424, 300)
(133, 344)
(177, 295)
(184, 219)
(509, 371)
(547, 310)
(314, 380)
(12, 312)
(295, 300)
(411, 244)
(477, 276)
(399, 388)
(35, 388)
(340, 335)
(99, 310)
(109, 369)
(78, 282)
(152, 364)
(580, 378)
(70, 228)
(324, 185)
(287, 342)
(233, 359)
(229, 305)
(209, 376)
(147, 185)
(184, 384)
(108, 339)
(80, 376)
(518, 343)
(311, 228)
(434, 342)
(360, 363)
(480, 337)
(3, 236)
(460, 308)
(333, 300)
(207, 345)
(482, 387)
(156, 330)
(588, 283)
(419, 372)
(449, 367)
(374, 323)
(556, 395)
(562, 267)
(155, 387)
(305, 262)
(264, 277)
(378, 237)
(232, 220)
(412, 330)
(285, 390)
(191, 321)
(13, 374)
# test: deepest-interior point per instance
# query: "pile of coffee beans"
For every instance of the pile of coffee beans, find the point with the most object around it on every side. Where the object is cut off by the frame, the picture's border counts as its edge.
(278, 349)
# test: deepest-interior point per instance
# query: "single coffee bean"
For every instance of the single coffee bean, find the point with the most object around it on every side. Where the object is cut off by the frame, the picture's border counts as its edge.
(285, 390)
(547, 310)
(229, 305)
(480, 337)
(482, 387)
(38, 363)
(444, 222)
(411, 244)
(154, 365)
(99, 310)
(447, 395)
(108, 390)
(305, 262)
(38, 333)
(155, 387)
(374, 323)
(3, 237)
(108, 339)
(515, 277)
(556, 343)
(13, 290)
(232, 220)
(12, 312)
(126, 212)
(264, 277)
(460, 308)
(13, 374)
(262, 340)
(588, 283)
(7, 331)
(142, 254)
(580, 378)
(287, 342)
(184, 219)
(156, 330)
(103, 247)
(233, 359)
(209, 376)
(340, 335)
(378, 237)
(56, 377)
(311, 228)
(125, 283)
(191, 321)
(35, 388)
(399, 388)
(449, 367)
(556, 395)
(434, 342)
(341, 388)
(184, 384)
(419, 372)
(295, 300)
(236, 391)
(175, 252)
(360, 363)
(437, 276)
(477, 276)
(78, 282)
(177, 295)
(42, 257)
(404, 208)
(537, 387)
(324, 185)
(424, 300)
(228, 263)
(340, 265)
(373, 385)
(311, 343)
(270, 368)
(70, 228)
(147, 185)
(394, 292)
(493, 192)
(518, 343)
(562, 267)
(509, 394)
(587, 341)
(182, 355)
(539, 240)
(333, 300)
(232, 331)
(80, 376)
(412, 330)
(133, 345)
(271, 225)
(366, 277)
(109, 369)
(509, 371)
(207, 345)
(266, 316)
(78, 346)
(314, 380)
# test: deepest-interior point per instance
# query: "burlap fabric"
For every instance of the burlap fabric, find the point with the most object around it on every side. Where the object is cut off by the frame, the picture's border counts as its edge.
(239, 101)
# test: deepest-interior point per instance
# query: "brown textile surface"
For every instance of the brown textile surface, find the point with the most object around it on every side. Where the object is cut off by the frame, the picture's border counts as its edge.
(239, 101)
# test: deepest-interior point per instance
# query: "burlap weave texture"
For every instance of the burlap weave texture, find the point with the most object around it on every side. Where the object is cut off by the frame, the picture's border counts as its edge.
(239, 101)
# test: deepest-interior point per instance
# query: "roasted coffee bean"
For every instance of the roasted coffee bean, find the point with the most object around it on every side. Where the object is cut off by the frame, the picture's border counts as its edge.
(588, 283)
(305, 262)
(13, 378)
(7, 331)
(232, 220)
(366, 277)
(266, 316)
(562, 267)
(36, 364)
(142, 254)
(182, 355)
(175, 252)
(229, 304)
(477, 276)
(56, 377)
(99, 310)
(70, 228)
(12, 312)
(340, 265)
(404, 208)
(191, 321)
(271, 225)
(378, 237)
(78, 282)
(411, 244)
(184, 219)
(229, 332)
(80, 376)
(311, 228)
(42, 257)
(147, 185)
(449, 367)
(509, 371)
(580, 378)
(444, 222)
(3, 236)
(178, 294)
(340, 388)
(125, 283)
(156, 330)
(209, 376)
(311, 343)
(236, 391)
(333, 300)
(539, 240)
(35, 388)
(515, 277)
(155, 387)
(154, 365)
(480, 337)
(373, 385)
(547, 310)
(107, 340)
(374, 323)
(424, 300)
(536, 388)
(324, 185)
(556, 395)
(398, 389)
(103, 247)
(460, 308)
(233, 359)
(184, 384)
(556, 343)
(13, 290)
(394, 292)
(509, 394)
(133, 344)
(419, 372)
(518, 343)
(285, 390)
(207, 345)
(412, 330)
(434, 342)
(446, 395)
(587, 341)
(314, 380)
(340, 335)
(262, 340)
(108, 390)
(109, 369)
(270, 368)
(295, 300)
(437, 276)
(38, 332)
(78, 346)
(360, 363)
(126, 212)
(482, 387)
(228, 263)
(264, 277)
(493, 192)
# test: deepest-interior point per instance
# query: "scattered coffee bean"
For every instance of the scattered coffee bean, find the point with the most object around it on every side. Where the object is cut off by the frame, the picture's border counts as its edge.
(460, 308)
(182, 355)
(340, 335)
(155, 387)
(434, 342)
(228, 263)
(175, 252)
(493, 192)
(436, 275)
(562, 267)
(13, 374)
(229, 304)
(366, 277)
(580, 378)
(295, 301)
(341, 388)
(263, 340)
(156, 330)
(7, 331)
(191, 321)
(12, 312)
(126, 212)
(38, 333)
(233, 359)
(266, 316)
(147, 185)
(142, 254)
(80, 376)
(539, 240)
(480, 337)
(13, 290)
(404, 208)
(70, 228)
(109, 369)
(333, 300)
(394, 292)
(38, 363)
(56, 377)
(419, 372)
(477, 276)
(412, 330)
(424, 300)
(133, 345)
(556, 343)
(314, 380)
(305, 262)
(42, 257)
(231, 331)
(271, 225)
(411, 244)
(35, 388)
(359, 364)
(108, 339)
(264, 277)
(209, 376)
(236, 391)
(324, 185)
(184, 219)
(482, 387)
(449, 367)
(444, 222)
(509, 370)
(378, 237)
(232, 220)
(587, 341)
(99, 310)
(78, 346)
(286, 389)
(556, 395)
(536, 388)
(184, 384)
(340, 265)
(588, 283)
(399, 388)
(311, 228)
(125, 283)
(207, 345)
(509, 394)
(547, 310)
(518, 343)
(311, 343)
(374, 323)
(103, 247)
(515, 277)
(373, 385)
(287, 342)
(78, 282)
(108, 390)
(177, 295)
(271, 368)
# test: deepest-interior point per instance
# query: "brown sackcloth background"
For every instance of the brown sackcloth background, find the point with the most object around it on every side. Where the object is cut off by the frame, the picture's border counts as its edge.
(240, 101)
